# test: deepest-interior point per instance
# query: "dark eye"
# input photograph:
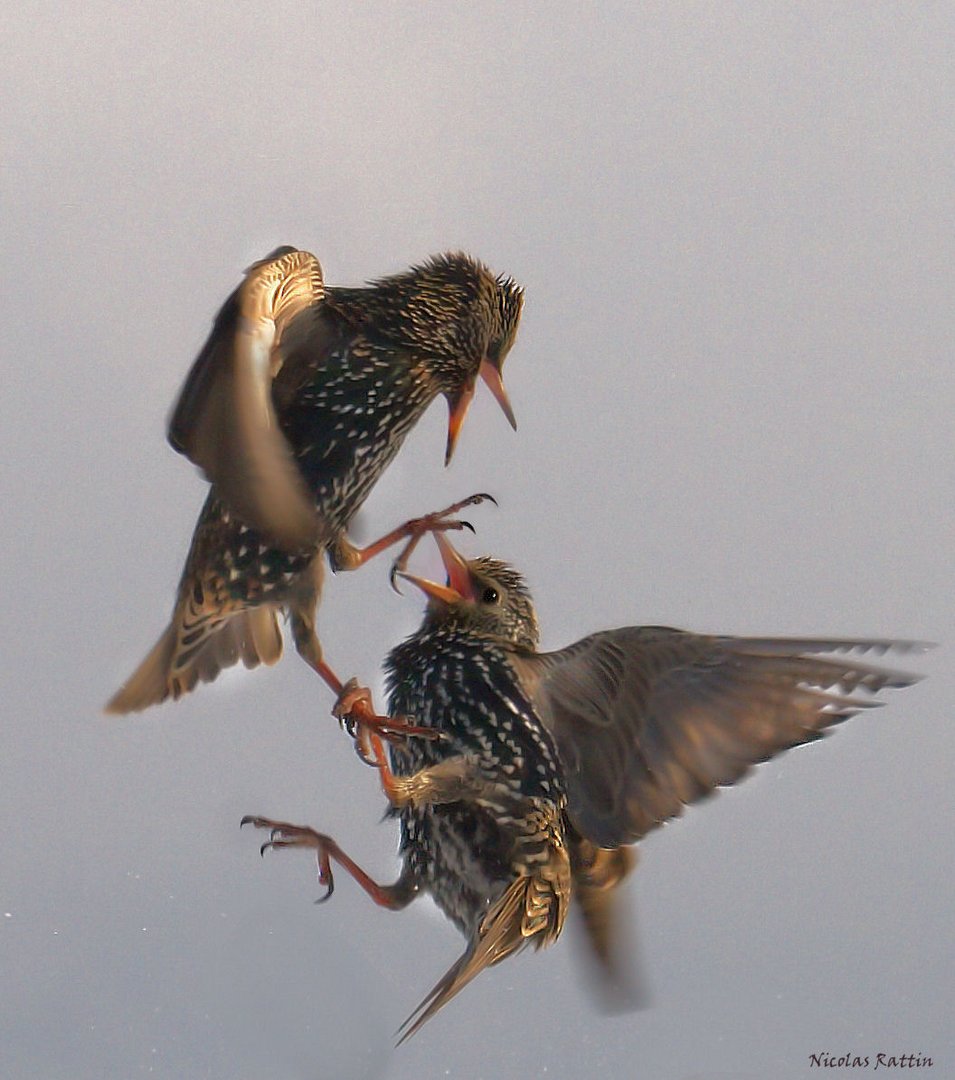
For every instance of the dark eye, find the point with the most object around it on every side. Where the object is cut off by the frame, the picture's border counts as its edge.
(489, 596)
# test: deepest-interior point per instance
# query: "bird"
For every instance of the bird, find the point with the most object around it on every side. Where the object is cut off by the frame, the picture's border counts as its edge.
(553, 765)
(298, 401)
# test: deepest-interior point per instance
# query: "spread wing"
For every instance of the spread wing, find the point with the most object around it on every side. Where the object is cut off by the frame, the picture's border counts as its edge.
(224, 419)
(649, 719)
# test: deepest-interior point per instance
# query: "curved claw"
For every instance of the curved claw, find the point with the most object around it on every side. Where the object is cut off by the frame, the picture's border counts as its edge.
(247, 820)
(329, 889)
(395, 571)
(467, 525)
(363, 755)
(481, 496)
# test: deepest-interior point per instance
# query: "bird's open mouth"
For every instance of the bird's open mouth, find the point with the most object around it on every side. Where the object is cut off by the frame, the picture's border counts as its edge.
(459, 583)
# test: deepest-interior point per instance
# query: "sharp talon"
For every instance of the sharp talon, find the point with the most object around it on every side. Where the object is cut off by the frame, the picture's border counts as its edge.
(325, 875)
(264, 848)
(394, 579)
(483, 496)
(468, 525)
(247, 820)
(363, 757)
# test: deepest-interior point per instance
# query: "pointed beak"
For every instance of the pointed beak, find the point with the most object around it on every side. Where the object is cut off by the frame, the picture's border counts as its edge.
(490, 372)
(459, 585)
(457, 410)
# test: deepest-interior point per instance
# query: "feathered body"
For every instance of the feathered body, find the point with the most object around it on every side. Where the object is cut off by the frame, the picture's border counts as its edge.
(466, 854)
(344, 379)
(551, 765)
(553, 762)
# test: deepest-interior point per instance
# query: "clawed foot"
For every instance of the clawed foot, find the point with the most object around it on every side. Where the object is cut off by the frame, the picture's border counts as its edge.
(355, 712)
(345, 556)
(284, 835)
(418, 528)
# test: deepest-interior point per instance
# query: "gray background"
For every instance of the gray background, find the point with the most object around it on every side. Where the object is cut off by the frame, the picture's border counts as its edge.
(734, 389)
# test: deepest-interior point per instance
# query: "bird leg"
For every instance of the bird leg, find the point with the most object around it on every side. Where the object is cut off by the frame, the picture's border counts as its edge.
(367, 739)
(345, 556)
(354, 707)
(456, 779)
(284, 835)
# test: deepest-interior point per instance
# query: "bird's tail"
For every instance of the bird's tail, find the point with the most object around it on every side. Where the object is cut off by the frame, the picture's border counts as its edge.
(195, 647)
(531, 911)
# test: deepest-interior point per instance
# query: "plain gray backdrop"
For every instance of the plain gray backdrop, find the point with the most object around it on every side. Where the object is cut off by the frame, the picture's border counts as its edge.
(734, 390)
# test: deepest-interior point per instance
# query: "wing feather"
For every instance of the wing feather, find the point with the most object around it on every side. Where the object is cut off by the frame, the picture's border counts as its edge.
(224, 420)
(649, 719)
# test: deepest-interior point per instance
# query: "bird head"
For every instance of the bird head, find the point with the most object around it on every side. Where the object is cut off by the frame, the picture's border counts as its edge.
(487, 335)
(459, 321)
(483, 595)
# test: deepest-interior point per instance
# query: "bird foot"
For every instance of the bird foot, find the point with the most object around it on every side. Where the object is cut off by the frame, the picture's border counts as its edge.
(284, 835)
(418, 528)
(345, 556)
(355, 711)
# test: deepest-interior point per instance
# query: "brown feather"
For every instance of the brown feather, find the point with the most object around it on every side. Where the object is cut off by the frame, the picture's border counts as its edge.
(194, 650)
(531, 911)
(649, 719)
(225, 420)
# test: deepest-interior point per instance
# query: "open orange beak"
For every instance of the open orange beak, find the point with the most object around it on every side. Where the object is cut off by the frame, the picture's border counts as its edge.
(457, 410)
(459, 586)
(490, 372)
(458, 406)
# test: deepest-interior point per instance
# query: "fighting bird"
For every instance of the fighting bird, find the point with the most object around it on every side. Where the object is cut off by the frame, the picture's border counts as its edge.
(296, 404)
(553, 764)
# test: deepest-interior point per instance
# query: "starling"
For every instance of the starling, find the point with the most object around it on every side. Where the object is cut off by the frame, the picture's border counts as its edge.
(296, 404)
(552, 764)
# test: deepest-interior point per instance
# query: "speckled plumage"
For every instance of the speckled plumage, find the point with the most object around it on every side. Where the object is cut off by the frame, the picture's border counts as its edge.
(465, 854)
(552, 763)
(603, 741)
(343, 374)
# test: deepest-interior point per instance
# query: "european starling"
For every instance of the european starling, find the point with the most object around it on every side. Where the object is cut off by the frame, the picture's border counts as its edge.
(552, 763)
(296, 404)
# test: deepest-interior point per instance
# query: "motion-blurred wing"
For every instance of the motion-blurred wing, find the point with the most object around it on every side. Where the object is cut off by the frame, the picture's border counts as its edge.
(648, 719)
(225, 420)
(610, 954)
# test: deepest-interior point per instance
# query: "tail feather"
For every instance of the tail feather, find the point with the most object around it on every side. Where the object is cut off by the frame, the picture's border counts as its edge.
(192, 652)
(531, 911)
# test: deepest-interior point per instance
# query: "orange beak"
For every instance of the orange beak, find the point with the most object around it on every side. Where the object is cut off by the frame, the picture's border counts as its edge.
(490, 372)
(459, 586)
(457, 410)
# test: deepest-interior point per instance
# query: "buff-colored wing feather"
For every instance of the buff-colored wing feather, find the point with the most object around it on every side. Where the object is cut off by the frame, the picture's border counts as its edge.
(225, 420)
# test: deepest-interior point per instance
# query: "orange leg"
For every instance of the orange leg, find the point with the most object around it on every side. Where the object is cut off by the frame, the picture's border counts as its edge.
(372, 752)
(348, 557)
(284, 835)
(355, 711)
(353, 707)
